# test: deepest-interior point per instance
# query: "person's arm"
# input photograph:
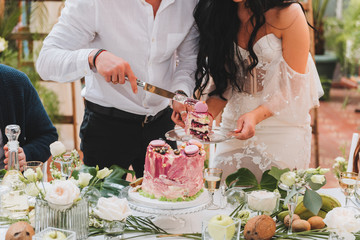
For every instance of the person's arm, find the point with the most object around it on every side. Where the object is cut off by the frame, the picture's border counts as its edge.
(40, 132)
(184, 79)
(63, 57)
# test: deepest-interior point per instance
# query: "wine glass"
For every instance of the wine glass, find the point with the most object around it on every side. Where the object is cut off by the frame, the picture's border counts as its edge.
(33, 165)
(212, 178)
(65, 164)
(347, 183)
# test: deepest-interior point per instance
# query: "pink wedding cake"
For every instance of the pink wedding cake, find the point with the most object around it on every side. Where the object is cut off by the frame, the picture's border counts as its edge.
(197, 122)
(173, 175)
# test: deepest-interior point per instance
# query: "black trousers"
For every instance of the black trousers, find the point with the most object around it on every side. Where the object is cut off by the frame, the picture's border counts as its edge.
(108, 140)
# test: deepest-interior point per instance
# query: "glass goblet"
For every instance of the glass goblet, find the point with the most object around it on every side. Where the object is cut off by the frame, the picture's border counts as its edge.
(33, 165)
(347, 183)
(65, 162)
(212, 178)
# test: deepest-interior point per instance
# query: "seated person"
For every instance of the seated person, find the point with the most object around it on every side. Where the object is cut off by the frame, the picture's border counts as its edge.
(20, 104)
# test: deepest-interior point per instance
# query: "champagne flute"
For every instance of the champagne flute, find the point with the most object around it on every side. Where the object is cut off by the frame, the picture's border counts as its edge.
(212, 178)
(65, 164)
(347, 183)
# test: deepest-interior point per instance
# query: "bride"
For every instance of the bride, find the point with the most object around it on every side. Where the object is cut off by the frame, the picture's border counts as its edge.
(254, 65)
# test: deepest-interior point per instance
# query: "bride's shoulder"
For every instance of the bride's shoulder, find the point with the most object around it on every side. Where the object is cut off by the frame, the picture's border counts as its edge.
(284, 17)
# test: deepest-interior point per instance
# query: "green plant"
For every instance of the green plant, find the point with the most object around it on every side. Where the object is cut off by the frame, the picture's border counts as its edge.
(326, 85)
(343, 37)
(319, 7)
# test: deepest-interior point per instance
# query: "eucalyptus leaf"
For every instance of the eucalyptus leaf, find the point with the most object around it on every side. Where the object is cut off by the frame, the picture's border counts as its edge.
(276, 172)
(292, 193)
(312, 201)
(316, 186)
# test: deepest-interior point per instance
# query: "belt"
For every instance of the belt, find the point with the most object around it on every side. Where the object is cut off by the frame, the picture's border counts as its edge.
(117, 113)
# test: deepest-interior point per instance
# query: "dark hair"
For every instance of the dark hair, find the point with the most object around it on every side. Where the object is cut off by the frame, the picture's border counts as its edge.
(218, 24)
(356, 158)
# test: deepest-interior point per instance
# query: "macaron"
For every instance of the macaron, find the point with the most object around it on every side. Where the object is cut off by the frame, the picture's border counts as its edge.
(201, 107)
(195, 142)
(191, 149)
(157, 143)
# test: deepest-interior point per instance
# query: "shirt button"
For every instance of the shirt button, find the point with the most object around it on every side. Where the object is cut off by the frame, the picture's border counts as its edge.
(153, 39)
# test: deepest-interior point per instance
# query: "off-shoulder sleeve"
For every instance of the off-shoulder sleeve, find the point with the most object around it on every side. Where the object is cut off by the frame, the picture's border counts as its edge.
(288, 93)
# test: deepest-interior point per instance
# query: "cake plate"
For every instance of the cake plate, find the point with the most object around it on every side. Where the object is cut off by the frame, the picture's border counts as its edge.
(217, 135)
(165, 213)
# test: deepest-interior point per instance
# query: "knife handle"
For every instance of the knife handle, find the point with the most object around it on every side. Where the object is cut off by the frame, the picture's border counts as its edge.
(138, 82)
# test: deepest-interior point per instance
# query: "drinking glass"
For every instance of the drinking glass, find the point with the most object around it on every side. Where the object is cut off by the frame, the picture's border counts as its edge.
(347, 183)
(33, 165)
(212, 178)
(65, 164)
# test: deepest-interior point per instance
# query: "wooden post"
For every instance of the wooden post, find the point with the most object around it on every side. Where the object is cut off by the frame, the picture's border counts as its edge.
(2, 8)
(74, 114)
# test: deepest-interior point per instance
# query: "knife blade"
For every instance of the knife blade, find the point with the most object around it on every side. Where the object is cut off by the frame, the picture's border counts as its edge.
(164, 93)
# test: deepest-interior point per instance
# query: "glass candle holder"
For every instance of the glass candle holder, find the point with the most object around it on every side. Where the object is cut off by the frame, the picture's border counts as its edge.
(221, 227)
(74, 218)
(114, 229)
(263, 201)
(55, 233)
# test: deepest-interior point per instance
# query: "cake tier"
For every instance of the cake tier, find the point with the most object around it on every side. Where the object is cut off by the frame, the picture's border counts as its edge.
(171, 175)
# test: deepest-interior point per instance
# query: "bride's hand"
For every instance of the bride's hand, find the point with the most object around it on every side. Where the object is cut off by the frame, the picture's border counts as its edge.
(245, 126)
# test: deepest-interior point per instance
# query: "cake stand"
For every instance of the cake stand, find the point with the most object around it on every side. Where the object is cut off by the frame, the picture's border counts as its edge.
(217, 135)
(166, 213)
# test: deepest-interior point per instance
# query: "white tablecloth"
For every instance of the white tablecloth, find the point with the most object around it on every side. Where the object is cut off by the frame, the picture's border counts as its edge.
(193, 221)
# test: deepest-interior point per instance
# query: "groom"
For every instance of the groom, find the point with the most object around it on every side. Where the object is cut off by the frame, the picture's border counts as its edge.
(107, 41)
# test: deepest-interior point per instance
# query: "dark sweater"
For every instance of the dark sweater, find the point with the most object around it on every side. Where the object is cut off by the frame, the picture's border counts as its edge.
(20, 104)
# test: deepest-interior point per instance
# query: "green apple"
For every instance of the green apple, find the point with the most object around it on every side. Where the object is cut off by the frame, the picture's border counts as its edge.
(221, 227)
(57, 235)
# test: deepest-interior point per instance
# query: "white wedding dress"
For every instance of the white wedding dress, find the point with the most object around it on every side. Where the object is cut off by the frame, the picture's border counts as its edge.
(283, 140)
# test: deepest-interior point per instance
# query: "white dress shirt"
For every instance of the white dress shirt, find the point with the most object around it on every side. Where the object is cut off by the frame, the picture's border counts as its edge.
(128, 29)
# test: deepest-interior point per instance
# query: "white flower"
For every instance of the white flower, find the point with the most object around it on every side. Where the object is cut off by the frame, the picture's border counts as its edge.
(340, 160)
(262, 200)
(343, 221)
(336, 165)
(112, 209)
(57, 148)
(84, 179)
(39, 174)
(32, 190)
(324, 170)
(30, 175)
(3, 44)
(74, 181)
(312, 170)
(62, 192)
(288, 178)
(320, 179)
(103, 173)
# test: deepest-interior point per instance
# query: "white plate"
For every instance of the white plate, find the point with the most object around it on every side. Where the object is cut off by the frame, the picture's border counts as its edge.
(217, 135)
(140, 200)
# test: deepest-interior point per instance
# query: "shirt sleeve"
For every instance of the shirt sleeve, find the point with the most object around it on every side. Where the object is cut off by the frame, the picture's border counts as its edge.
(184, 76)
(289, 93)
(64, 56)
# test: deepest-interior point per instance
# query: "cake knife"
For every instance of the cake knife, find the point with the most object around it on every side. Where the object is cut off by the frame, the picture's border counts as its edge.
(164, 93)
